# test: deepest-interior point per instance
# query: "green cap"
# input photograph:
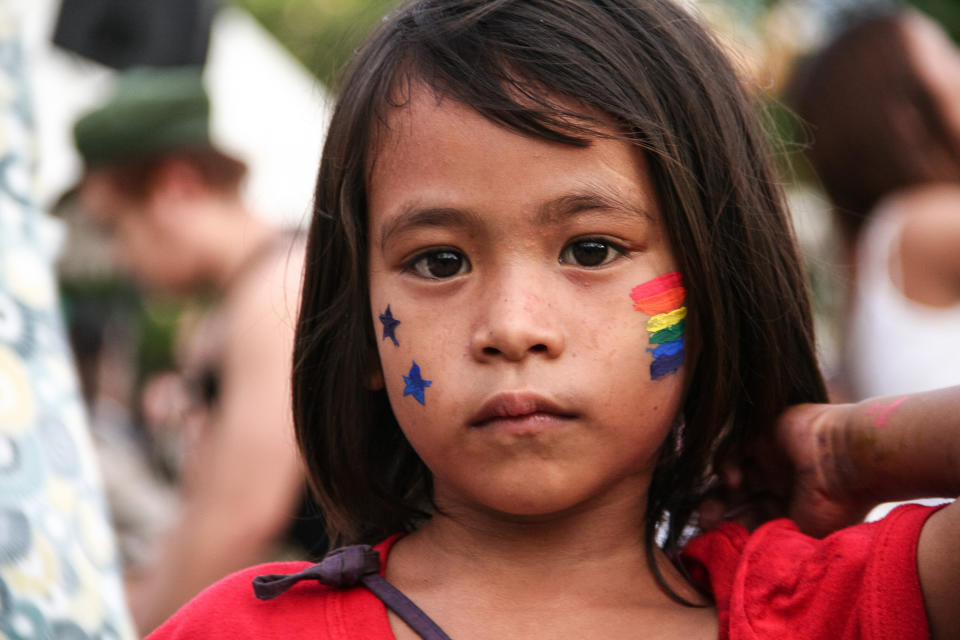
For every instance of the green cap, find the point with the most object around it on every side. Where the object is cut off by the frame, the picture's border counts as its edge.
(150, 111)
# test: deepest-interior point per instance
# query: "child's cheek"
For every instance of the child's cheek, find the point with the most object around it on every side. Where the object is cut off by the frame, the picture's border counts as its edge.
(663, 299)
(390, 326)
(398, 369)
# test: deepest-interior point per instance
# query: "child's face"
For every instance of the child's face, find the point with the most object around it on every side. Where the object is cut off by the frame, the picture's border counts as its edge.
(520, 370)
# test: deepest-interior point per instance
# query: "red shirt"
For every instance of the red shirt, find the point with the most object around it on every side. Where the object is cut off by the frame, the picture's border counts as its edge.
(230, 611)
(860, 582)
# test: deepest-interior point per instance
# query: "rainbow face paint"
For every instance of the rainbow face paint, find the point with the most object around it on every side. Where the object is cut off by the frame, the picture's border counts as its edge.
(662, 298)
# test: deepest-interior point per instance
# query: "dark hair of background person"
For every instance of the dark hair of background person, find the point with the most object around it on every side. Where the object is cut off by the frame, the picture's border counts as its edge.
(872, 123)
(653, 72)
(134, 178)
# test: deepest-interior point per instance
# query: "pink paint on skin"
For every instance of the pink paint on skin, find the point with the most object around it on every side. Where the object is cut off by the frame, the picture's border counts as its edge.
(881, 413)
(659, 284)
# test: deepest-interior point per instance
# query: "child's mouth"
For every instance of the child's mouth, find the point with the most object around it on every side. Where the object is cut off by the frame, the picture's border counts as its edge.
(520, 411)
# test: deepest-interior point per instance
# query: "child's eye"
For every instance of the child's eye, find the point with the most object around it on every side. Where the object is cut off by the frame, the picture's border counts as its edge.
(438, 264)
(591, 252)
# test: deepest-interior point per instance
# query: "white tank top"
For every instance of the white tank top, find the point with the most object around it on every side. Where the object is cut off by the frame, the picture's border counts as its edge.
(896, 345)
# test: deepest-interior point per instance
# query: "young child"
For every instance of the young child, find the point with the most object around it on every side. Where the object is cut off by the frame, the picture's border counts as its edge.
(552, 296)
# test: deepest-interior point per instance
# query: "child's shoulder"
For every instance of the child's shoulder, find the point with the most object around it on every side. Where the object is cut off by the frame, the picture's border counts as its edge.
(859, 580)
(230, 609)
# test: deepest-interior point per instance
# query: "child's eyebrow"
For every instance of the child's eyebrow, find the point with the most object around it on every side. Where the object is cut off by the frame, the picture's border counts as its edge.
(430, 217)
(571, 204)
(551, 212)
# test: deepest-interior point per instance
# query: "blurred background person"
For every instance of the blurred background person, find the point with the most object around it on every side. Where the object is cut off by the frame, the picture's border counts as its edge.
(881, 104)
(60, 573)
(138, 471)
(171, 203)
(268, 111)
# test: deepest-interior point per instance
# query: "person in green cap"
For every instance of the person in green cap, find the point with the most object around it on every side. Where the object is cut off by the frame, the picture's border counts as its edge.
(172, 205)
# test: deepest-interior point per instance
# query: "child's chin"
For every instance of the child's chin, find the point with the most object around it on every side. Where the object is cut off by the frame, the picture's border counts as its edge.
(534, 505)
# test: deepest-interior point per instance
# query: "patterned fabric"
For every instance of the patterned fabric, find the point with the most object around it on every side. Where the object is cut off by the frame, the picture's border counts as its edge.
(59, 574)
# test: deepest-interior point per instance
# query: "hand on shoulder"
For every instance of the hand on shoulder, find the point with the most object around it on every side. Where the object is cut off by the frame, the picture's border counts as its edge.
(789, 475)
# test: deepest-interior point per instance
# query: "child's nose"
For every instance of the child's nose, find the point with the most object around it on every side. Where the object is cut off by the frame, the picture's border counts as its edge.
(517, 320)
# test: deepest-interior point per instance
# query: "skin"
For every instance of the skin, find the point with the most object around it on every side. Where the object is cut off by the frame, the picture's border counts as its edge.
(540, 517)
(180, 238)
(928, 258)
(846, 464)
(937, 60)
(144, 234)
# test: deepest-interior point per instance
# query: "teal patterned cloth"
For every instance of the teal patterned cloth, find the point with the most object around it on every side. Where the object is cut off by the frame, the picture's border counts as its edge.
(59, 573)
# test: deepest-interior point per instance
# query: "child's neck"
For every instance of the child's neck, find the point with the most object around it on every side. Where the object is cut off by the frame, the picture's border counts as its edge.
(577, 536)
(509, 568)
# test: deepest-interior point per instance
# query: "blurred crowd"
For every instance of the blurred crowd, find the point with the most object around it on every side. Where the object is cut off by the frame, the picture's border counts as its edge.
(182, 345)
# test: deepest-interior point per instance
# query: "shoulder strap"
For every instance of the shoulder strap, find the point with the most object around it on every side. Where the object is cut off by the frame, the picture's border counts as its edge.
(348, 567)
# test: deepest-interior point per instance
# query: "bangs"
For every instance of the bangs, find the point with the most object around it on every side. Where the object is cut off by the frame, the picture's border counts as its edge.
(557, 88)
(504, 96)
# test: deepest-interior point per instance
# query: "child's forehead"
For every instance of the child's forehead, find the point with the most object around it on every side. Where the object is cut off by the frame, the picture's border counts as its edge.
(403, 114)
(430, 125)
(440, 155)
(414, 105)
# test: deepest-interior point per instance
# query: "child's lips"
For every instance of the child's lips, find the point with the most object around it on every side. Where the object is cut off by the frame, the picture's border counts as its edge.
(520, 410)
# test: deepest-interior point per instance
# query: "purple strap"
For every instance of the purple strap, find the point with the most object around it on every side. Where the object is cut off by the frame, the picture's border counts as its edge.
(348, 567)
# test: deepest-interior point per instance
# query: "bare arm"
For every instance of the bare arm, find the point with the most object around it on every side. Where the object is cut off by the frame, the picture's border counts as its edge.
(853, 456)
(246, 481)
(929, 260)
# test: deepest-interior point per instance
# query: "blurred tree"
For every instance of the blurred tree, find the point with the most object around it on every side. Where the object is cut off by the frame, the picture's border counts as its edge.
(321, 33)
(946, 12)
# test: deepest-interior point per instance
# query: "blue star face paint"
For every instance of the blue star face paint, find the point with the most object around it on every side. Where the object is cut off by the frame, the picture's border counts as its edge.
(389, 326)
(415, 384)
